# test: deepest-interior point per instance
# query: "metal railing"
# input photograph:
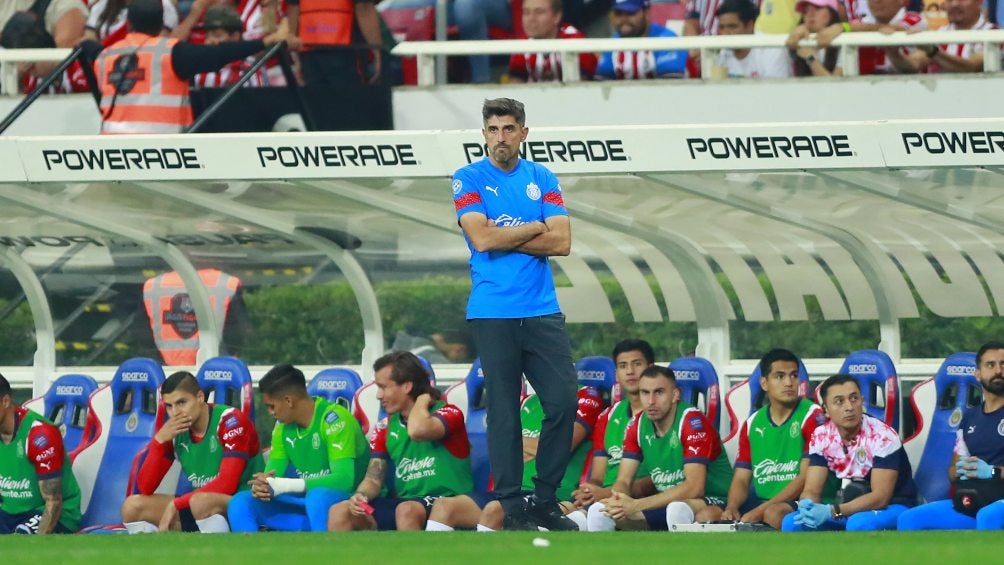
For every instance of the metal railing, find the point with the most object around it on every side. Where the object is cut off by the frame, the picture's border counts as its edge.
(429, 53)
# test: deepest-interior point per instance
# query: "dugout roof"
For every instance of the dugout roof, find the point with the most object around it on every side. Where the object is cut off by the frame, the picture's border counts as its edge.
(697, 224)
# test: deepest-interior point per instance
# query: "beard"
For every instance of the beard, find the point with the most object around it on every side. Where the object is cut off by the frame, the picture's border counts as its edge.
(994, 386)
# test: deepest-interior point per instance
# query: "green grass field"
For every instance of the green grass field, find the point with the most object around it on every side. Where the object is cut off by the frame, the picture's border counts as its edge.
(832, 548)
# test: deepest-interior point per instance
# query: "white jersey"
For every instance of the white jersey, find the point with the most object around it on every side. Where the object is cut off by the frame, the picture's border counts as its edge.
(760, 62)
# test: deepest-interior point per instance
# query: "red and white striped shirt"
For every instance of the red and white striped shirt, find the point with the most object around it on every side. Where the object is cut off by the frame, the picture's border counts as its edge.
(546, 67)
(112, 32)
(705, 13)
(72, 81)
(229, 74)
(963, 50)
(872, 60)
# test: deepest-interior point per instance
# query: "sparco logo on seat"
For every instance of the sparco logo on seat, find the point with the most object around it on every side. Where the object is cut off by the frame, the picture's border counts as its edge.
(770, 147)
(121, 159)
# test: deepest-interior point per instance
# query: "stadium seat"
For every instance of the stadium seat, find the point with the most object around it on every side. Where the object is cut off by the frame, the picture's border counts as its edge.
(122, 417)
(879, 383)
(65, 404)
(415, 20)
(469, 396)
(337, 385)
(938, 404)
(745, 398)
(599, 372)
(227, 380)
(698, 382)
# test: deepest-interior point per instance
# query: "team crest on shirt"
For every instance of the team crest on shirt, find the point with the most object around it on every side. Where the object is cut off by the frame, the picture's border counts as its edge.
(794, 430)
(533, 191)
(860, 455)
(674, 441)
(1000, 427)
(315, 441)
(458, 185)
(214, 444)
(955, 418)
(20, 450)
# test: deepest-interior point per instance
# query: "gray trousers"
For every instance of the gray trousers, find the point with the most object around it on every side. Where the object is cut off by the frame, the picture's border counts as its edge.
(537, 347)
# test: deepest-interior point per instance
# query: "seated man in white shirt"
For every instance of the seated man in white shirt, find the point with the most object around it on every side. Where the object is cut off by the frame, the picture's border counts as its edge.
(736, 17)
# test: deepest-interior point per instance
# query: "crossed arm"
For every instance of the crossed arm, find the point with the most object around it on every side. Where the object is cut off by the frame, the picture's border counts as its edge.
(550, 237)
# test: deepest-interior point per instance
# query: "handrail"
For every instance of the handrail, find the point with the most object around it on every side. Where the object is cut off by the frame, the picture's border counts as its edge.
(709, 46)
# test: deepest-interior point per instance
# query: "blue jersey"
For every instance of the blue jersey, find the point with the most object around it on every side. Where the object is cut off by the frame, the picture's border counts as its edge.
(509, 284)
(627, 65)
(982, 434)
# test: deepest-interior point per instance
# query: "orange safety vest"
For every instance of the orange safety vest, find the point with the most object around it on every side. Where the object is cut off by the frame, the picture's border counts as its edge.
(152, 98)
(172, 317)
(326, 22)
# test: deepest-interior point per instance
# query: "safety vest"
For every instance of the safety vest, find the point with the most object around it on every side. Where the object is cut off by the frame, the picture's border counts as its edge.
(172, 317)
(326, 22)
(151, 98)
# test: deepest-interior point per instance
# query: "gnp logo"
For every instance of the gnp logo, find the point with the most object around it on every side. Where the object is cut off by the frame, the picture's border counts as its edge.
(862, 369)
(770, 147)
(575, 151)
(957, 370)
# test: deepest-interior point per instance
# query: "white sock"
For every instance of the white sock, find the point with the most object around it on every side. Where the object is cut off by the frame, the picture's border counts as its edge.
(579, 517)
(215, 524)
(597, 521)
(140, 527)
(679, 513)
(434, 526)
(482, 528)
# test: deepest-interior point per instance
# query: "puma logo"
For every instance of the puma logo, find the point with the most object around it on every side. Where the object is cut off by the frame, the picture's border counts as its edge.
(693, 449)
(494, 191)
(291, 442)
(759, 431)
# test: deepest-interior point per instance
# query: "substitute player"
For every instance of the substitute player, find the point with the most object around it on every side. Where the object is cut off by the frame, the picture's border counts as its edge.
(681, 453)
(424, 439)
(631, 357)
(38, 493)
(773, 448)
(218, 449)
(317, 442)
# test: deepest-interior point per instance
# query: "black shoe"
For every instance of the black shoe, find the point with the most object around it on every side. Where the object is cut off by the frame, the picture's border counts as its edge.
(549, 515)
(517, 519)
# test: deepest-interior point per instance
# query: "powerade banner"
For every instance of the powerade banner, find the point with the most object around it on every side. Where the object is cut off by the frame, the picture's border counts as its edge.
(943, 143)
(415, 154)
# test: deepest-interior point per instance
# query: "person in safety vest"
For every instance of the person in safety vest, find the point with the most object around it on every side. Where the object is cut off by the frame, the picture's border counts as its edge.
(144, 77)
(326, 29)
(172, 317)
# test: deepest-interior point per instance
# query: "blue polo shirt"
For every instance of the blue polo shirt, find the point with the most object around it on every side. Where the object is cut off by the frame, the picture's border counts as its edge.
(983, 434)
(509, 284)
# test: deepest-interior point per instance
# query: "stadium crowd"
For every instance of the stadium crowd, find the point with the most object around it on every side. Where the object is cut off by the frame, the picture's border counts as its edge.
(358, 51)
(643, 457)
